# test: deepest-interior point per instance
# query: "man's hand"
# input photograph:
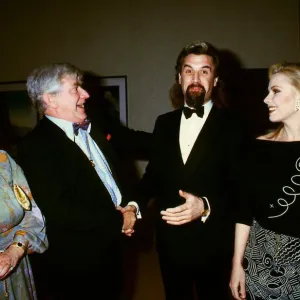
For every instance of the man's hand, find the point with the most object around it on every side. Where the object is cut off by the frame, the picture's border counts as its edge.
(129, 218)
(192, 209)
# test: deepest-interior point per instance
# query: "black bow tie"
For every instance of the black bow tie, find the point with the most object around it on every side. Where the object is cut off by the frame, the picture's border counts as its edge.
(84, 125)
(188, 111)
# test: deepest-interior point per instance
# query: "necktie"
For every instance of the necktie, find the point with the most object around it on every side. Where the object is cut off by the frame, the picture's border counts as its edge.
(101, 166)
(84, 125)
(188, 111)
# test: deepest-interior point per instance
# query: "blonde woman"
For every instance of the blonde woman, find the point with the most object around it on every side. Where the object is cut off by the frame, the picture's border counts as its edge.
(266, 262)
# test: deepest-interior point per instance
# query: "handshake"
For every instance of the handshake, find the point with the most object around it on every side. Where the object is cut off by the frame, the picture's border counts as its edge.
(193, 208)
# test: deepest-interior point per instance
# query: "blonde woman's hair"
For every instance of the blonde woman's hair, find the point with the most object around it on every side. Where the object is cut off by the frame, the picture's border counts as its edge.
(291, 70)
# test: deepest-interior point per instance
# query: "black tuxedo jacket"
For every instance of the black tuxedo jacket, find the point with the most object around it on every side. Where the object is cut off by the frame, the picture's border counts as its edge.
(82, 223)
(208, 172)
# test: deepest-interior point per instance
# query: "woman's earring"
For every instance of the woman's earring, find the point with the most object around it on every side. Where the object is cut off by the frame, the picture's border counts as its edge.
(297, 105)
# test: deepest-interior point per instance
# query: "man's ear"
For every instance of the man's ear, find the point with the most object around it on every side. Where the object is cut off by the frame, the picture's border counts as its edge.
(179, 78)
(216, 81)
(49, 100)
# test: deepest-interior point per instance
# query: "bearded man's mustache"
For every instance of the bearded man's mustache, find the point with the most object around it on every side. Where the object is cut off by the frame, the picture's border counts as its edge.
(195, 94)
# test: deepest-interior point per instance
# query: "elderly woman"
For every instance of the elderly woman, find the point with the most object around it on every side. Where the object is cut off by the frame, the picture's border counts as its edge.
(266, 262)
(22, 231)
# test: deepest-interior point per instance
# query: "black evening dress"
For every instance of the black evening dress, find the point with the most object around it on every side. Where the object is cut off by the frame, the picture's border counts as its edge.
(270, 203)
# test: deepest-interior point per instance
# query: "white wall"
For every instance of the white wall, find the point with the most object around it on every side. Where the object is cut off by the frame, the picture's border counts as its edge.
(141, 39)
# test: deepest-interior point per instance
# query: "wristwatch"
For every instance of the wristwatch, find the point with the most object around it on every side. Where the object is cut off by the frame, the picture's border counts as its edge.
(206, 211)
(205, 204)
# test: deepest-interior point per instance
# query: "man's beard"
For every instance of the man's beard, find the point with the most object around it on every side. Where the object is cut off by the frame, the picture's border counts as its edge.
(195, 98)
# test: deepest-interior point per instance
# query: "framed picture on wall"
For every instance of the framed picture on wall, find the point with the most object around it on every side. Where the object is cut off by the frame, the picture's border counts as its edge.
(16, 107)
(108, 97)
(115, 90)
(17, 116)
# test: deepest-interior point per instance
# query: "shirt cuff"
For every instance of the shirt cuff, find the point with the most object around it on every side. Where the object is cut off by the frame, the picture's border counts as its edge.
(207, 212)
(138, 213)
(20, 236)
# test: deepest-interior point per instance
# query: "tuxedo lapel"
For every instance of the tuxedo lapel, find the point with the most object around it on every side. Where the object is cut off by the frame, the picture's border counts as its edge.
(174, 145)
(69, 150)
(66, 148)
(107, 151)
(102, 143)
(204, 142)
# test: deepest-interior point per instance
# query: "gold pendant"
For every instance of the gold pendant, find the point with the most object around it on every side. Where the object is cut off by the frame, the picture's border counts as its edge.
(92, 163)
(22, 197)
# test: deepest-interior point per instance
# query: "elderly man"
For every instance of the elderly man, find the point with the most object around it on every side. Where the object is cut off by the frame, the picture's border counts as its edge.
(74, 176)
(196, 149)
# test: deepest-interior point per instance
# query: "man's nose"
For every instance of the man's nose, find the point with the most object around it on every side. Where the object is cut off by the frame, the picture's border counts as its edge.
(196, 77)
(84, 93)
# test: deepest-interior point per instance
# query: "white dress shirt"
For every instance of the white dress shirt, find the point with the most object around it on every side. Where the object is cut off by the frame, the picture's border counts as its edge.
(189, 131)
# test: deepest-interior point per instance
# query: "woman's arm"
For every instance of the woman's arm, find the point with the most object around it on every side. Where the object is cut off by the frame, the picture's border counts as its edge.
(27, 235)
(237, 280)
(30, 233)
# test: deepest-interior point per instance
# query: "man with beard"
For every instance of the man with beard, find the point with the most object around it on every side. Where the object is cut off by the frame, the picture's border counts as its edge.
(190, 173)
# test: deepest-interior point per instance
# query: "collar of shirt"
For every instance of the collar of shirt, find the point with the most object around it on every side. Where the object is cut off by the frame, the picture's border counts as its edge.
(66, 126)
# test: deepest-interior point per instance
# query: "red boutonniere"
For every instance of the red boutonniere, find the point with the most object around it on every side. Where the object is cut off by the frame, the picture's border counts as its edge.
(108, 136)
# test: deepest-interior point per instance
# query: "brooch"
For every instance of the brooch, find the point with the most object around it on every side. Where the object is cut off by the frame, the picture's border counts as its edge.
(22, 197)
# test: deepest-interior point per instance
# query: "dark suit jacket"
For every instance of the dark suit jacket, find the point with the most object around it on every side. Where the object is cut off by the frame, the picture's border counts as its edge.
(82, 224)
(129, 144)
(209, 172)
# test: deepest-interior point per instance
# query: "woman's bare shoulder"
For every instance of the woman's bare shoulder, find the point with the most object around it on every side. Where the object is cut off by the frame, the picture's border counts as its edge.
(268, 136)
